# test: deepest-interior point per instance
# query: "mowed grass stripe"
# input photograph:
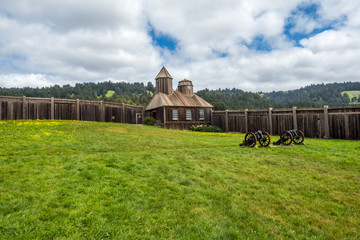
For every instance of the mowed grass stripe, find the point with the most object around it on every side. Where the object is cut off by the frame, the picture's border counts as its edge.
(83, 180)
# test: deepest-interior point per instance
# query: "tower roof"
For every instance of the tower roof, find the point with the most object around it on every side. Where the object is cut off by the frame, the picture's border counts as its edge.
(185, 82)
(163, 74)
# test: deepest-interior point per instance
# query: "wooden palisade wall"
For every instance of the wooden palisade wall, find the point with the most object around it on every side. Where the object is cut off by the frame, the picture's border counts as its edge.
(15, 108)
(326, 122)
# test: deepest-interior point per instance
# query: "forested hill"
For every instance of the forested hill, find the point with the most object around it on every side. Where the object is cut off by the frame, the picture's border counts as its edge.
(236, 99)
(130, 93)
(334, 94)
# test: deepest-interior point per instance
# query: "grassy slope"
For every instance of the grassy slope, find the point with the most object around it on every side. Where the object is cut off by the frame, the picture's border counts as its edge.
(352, 94)
(110, 93)
(68, 179)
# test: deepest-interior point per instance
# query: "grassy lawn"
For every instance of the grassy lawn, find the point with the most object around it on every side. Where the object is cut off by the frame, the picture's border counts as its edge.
(88, 180)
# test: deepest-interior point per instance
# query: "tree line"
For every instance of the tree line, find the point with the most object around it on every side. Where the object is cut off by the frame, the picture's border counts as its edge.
(140, 94)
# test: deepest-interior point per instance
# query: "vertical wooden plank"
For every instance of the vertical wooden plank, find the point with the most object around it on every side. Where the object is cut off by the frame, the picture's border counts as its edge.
(123, 113)
(52, 108)
(10, 110)
(295, 125)
(1, 110)
(212, 117)
(164, 112)
(227, 121)
(77, 109)
(326, 122)
(102, 111)
(37, 109)
(346, 126)
(143, 115)
(270, 121)
(24, 108)
(246, 120)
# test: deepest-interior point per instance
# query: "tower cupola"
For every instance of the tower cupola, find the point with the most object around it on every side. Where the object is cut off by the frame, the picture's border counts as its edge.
(164, 82)
(185, 87)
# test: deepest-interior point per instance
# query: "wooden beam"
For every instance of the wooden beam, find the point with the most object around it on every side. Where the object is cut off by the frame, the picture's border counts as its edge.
(226, 121)
(52, 108)
(246, 120)
(295, 125)
(143, 115)
(102, 111)
(346, 126)
(77, 109)
(164, 116)
(123, 113)
(10, 115)
(270, 121)
(24, 108)
(326, 122)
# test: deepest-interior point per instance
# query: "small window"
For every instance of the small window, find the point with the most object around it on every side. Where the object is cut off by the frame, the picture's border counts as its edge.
(201, 115)
(188, 114)
(174, 114)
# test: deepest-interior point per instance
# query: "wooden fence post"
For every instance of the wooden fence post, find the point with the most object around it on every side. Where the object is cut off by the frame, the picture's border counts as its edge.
(346, 126)
(52, 109)
(164, 113)
(123, 113)
(10, 115)
(246, 120)
(227, 121)
(0, 110)
(212, 117)
(77, 109)
(102, 111)
(295, 118)
(24, 108)
(270, 121)
(326, 121)
(143, 115)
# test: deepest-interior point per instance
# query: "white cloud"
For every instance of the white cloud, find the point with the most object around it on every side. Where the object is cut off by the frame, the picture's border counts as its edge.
(29, 80)
(59, 42)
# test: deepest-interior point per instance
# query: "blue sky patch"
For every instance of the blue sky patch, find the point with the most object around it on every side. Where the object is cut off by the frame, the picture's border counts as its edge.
(12, 62)
(162, 40)
(309, 12)
(220, 54)
(259, 43)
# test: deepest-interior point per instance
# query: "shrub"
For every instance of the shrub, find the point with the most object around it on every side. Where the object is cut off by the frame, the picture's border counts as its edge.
(149, 121)
(205, 128)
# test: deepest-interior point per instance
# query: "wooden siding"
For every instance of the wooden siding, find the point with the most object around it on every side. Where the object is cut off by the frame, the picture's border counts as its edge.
(181, 123)
(326, 122)
(15, 108)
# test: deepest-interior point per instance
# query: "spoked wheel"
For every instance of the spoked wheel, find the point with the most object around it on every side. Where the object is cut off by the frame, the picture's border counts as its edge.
(250, 139)
(299, 138)
(286, 138)
(265, 141)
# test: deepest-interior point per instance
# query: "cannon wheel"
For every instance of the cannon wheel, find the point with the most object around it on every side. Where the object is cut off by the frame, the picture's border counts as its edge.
(265, 141)
(286, 138)
(250, 139)
(299, 138)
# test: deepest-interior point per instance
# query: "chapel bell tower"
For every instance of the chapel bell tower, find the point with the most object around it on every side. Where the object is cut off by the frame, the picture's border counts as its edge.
(164, 82)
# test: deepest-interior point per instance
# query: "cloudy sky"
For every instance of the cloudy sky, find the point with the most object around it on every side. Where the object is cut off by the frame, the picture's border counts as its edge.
(254, 45)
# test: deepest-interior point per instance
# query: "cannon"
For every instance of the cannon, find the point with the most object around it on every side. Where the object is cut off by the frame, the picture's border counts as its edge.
(251, 138)
(287, 137)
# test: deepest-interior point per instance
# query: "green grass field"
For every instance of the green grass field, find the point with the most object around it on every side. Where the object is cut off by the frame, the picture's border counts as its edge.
(88, 180)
